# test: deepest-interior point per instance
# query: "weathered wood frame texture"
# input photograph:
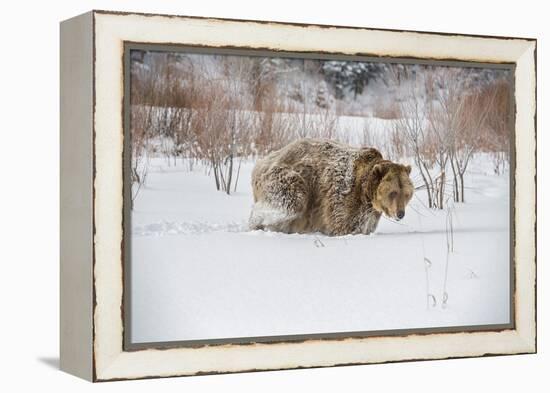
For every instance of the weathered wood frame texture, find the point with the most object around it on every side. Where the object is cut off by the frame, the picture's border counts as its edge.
(92, 317)
(76, 193)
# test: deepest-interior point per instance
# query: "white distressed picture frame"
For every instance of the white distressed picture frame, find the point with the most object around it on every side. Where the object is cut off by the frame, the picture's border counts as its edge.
(92, 138)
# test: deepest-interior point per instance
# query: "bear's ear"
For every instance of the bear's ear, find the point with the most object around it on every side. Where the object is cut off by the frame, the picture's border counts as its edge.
(408, 169)
(378, 171)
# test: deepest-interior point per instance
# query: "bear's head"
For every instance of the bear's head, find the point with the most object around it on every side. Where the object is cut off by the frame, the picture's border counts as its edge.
(393, 188)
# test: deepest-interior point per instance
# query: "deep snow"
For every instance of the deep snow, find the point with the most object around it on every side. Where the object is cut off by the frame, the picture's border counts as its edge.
(199, 273)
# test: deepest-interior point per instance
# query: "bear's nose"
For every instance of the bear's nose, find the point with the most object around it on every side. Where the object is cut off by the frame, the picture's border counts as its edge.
(401, 214)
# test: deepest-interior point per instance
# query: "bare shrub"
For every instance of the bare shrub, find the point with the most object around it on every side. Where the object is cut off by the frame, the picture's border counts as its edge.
(467, 138)
(168, 88)
(412, 124)
(324, 124)
(394, 146)
(140, 125)
(368, 135)
(304, 125)
(496, 136)
(272, 129)
(209, 122)
(220, 125)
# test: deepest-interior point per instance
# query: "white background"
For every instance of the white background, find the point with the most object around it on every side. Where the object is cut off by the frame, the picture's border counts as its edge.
(29, 182)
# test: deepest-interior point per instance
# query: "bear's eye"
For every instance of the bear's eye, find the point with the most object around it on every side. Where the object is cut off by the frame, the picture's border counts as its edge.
(393, 194)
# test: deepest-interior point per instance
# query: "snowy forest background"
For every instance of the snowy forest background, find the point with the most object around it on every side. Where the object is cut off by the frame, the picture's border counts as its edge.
(199, 122)
(219, 110)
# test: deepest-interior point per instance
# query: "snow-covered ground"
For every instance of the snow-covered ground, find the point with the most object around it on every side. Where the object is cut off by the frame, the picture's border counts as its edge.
(199, 273)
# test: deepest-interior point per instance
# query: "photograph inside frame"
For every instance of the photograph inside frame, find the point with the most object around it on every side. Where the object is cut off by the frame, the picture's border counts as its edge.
(283, 196)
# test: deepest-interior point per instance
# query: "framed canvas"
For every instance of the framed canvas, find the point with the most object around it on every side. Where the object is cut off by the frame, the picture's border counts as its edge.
(246, 195)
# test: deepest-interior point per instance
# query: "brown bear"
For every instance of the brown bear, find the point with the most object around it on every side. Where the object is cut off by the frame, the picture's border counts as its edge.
(316, 185)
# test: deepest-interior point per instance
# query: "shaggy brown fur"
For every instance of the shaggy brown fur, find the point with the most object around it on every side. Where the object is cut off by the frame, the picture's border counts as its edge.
(315, 185)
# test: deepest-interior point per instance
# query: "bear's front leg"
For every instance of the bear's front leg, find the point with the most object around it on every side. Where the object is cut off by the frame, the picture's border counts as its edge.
(371, 223)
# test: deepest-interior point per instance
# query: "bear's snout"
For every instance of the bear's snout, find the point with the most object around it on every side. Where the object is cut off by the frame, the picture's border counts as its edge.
(400, 214)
